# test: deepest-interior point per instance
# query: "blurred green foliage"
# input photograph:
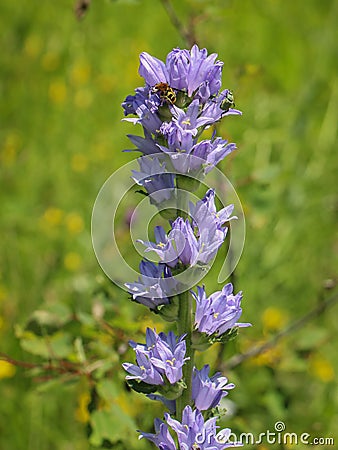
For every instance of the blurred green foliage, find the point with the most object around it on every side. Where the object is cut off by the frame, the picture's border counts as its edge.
(61, 136)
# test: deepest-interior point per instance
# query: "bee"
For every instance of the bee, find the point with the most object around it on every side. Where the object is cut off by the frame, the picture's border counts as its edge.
(228, 102)
(165, 92)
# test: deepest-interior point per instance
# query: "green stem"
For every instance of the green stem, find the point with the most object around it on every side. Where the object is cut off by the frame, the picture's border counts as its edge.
(185, 326)
(185, 321)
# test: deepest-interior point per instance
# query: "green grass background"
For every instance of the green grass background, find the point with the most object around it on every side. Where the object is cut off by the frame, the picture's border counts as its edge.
(61, 136)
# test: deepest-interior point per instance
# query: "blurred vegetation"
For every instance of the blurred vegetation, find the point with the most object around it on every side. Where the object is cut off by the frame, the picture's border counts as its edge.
(61, 136)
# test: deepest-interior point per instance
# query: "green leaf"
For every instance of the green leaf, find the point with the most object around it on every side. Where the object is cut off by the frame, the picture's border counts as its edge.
(311, 337)
(57, 346)
(113, 425)
(107, 390)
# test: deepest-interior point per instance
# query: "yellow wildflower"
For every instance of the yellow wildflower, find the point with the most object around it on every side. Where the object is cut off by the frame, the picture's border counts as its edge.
(321, 368)
(81, 413)
(53, 216)
(50, 61)
(274, 319)
(7, 370)
(74, 223)
(79, 162)
(32, 46)
(57, 92)
(72, 261)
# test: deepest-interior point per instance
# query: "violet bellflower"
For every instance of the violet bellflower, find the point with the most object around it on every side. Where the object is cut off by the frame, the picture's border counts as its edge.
(154, 286)
(145, 145)
(186, 154)
(160, 359)
(193, 433)
(205, 211)
(181, 244)
(181, 98)
(191, 71)
(189, 247)
(158, 183)
(208, 392)
(196, 77)
(164, 246)
(218, 313)
(147, 117)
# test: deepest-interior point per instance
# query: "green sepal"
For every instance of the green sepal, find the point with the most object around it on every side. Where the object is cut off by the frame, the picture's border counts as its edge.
(202, 341)
(172, 391)
(169, 312)
(164, 113)
(228, 336)
(141, 387)
(141, 191)
(215, 412)
(182, 99)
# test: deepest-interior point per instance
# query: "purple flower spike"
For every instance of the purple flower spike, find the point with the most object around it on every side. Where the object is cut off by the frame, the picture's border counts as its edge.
(192, 433)
(219, 312)
(208, 392)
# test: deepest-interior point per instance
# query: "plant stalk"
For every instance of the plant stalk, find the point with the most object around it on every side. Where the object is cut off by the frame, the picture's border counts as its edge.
(185, 326)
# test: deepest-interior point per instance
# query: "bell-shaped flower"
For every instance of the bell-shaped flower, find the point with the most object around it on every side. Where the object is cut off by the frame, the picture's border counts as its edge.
(164, 246)
(208, 392)
(205, 211)
(154, 286)
(203, 68)
(219, 312)
(169, 357)
(183, 70)
(145, 145)
(158, 183)
(147, 117)
(143, 371)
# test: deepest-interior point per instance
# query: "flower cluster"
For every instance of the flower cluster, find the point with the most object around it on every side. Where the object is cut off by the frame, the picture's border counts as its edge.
(219, 312)
(193, 432)
(181, 98)
(195, 241)
(160, 359)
